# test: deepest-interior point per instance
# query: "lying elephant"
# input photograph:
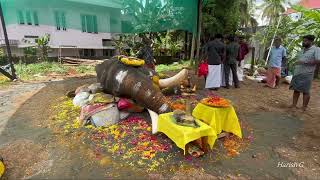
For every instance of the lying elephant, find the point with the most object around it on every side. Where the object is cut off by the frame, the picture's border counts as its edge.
(122, 80)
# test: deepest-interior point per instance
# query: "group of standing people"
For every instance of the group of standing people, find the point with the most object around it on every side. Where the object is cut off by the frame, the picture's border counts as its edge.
(225, 56)
(304, 68)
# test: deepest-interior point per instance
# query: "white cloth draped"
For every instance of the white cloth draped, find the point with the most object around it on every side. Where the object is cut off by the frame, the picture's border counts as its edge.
(214, 76)
(240, 71)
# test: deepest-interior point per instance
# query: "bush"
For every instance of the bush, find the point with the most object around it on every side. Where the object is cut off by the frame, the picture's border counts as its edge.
(25, 71)
(172, 67)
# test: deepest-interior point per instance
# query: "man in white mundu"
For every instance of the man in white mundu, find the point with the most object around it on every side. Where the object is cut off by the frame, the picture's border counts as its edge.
(215, 51)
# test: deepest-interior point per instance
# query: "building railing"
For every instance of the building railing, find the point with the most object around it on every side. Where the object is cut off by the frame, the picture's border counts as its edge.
(11, 42)
(108, 43)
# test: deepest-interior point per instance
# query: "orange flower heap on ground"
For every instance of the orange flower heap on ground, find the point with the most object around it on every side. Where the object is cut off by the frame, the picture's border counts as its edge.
(215, 102)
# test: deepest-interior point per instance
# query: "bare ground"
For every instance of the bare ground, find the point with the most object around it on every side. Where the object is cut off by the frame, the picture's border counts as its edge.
(29, 147)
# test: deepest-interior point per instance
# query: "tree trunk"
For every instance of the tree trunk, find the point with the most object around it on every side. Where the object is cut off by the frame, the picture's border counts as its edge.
(199, 29)
(252, 61)
(189, 45)
(197, 58)
(186, 54)
(195, 36)
(193, 47)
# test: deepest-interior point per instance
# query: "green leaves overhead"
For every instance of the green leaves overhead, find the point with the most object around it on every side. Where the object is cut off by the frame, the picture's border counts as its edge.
(157, 15)
(308, 14)
(221, 16)
(292, 31)
(272, 9)
(112, 16)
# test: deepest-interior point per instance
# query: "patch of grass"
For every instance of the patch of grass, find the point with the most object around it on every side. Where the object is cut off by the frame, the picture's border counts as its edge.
(31, 71)
(28, 72)
(172, 67)
(85, 69)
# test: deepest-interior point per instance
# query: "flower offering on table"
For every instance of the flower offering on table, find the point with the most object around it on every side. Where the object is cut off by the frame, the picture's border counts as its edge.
(182, 135)
(216, 102)
(220, 119)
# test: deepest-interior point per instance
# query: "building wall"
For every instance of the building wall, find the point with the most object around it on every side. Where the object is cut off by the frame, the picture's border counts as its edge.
(15, 51)
(73, 36)
(65, 52)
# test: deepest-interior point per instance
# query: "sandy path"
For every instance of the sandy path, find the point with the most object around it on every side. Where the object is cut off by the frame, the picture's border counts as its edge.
(13, 97)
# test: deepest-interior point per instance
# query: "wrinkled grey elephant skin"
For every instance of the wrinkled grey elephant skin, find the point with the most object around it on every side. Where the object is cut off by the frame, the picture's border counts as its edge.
(131, 82)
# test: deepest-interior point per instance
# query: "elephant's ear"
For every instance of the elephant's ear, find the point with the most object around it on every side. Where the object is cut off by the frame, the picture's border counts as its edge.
(99, 70)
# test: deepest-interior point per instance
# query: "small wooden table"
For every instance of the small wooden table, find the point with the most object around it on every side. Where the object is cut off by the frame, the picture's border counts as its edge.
(182, 135)
(219, 119)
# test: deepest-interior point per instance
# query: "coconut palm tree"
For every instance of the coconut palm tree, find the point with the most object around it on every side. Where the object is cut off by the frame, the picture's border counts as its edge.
(272, 10)
(246, 14)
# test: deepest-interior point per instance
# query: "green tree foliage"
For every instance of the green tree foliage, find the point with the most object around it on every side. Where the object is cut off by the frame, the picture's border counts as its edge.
(159, 15)
(272, 10)
(221, 16)
(42, 45)
(30, 51)
(121, 42)
(246, 8)
(168, 44)
(292, 32)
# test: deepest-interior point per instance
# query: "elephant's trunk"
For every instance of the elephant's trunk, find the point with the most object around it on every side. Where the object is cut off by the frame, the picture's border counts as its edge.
(173, 81)
(122, 80)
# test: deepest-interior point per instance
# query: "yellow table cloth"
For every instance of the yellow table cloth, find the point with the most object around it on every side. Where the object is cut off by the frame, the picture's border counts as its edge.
(220, 119)
(182, 135)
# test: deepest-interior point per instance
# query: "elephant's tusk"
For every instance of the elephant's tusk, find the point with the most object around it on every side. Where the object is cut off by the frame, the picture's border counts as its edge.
(175, 80)
(154, 119)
